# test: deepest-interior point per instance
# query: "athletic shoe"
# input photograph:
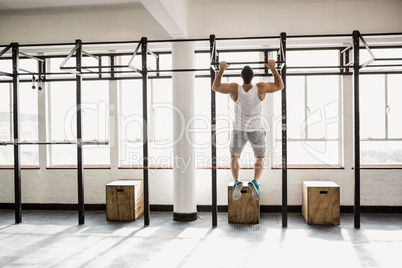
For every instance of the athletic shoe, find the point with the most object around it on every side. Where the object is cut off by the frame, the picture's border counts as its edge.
(237, 190)
(255, 189)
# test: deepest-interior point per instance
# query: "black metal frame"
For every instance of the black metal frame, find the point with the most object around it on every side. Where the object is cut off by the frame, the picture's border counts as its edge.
(17, 150)
(80, 166)
(356, 69)
(282, 58)
(214, 62)
(144, 49)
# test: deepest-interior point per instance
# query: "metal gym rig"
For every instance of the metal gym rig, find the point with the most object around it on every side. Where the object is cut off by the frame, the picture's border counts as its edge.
(79, 71)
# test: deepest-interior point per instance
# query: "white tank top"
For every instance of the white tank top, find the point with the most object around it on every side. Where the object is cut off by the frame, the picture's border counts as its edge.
(248, 110)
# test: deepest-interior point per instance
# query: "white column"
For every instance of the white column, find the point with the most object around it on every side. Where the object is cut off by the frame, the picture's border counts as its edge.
(184, 206)
(114, 121)
(348, 122)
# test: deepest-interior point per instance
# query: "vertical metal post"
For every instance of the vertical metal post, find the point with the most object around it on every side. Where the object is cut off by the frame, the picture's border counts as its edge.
(212, 47)
(80, 166)
(16, 123)
(100, 66)
(266, 60)
(144, 50)
(386, 106)
(341, 62)
(356, 71)
(347, 53)
(42, 69)
(157, 65)
(284, 137)
(112, 66)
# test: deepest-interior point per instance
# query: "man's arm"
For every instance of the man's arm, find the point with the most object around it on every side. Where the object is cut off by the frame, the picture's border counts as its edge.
(225, 88)
(277, 84)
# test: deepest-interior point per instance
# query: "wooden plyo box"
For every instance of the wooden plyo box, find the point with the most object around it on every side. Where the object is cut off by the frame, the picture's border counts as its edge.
(321, 203)
(124, 200)
(244, 210)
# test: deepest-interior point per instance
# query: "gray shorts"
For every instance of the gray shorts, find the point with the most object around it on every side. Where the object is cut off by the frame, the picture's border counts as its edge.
(239, 139)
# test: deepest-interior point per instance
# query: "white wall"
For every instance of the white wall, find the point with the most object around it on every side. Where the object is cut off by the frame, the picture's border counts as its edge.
(113, 24)
(378, 187)
(254, 18)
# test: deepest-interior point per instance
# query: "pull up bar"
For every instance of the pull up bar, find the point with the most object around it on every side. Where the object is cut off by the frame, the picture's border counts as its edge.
(4, 143)
(247, 62)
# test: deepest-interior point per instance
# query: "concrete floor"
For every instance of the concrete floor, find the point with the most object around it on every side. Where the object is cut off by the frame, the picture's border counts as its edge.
(53, 239)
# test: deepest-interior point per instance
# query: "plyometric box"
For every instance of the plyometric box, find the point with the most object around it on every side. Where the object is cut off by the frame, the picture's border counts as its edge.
(124, 200)
(246, 209)
(321, 202)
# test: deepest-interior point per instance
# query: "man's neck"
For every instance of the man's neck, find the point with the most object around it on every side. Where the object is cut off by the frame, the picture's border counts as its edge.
(247, 87)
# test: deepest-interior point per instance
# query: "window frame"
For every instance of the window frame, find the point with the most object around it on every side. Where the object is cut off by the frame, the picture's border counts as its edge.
(276, 140)
(386, 131)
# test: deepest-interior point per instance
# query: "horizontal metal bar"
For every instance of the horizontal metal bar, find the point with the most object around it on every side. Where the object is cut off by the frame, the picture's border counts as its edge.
(288, 74)
(4, 51)
(254, 68)
(380, 72)
(244, 62)
(5, 74)
(178, 40)
(247, 38)
(385, 65)
(248, 62)
(379, 139)
(314, 67)
(47, 45)
(319, 36)
(4, 143)
(309, 139)
(317, 74)
(97, 67)
(240, 50)
(83, 67)
(347, 48)
(109, 43)
(179, 70)
(84, 73)
(387, 59)
(379, 34)
(31, 57)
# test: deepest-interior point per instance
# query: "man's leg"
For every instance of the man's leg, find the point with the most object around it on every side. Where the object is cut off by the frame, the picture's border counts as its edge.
(257, 140)
(237, 143)
(235, 167)
(258, 168)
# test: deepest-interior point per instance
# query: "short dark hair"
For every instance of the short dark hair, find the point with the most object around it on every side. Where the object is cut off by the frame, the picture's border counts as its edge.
(247, 74)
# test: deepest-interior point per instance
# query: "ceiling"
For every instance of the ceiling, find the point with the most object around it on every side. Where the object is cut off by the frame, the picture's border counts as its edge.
(23, 6)
(16, 6)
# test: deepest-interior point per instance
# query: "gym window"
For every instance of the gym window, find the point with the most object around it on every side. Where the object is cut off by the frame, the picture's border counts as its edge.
(28, 117)
(380, 119)
(160, 119)
(62, 122)
(313, 113)
(6, 152)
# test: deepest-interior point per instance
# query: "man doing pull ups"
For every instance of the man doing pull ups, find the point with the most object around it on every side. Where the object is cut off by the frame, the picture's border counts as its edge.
(248, 124)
